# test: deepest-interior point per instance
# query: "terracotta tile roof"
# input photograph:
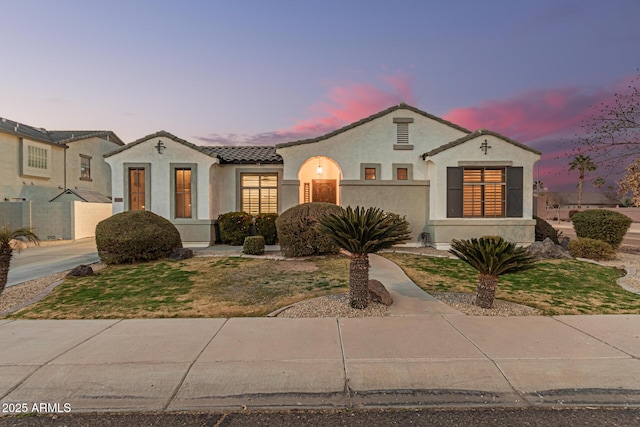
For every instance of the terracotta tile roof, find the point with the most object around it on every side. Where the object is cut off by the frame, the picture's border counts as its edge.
(401, 106)
(86, 195)
(250, 154)
(475, 135)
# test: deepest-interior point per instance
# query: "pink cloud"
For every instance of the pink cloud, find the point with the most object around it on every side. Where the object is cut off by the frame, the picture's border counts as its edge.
(351, 102)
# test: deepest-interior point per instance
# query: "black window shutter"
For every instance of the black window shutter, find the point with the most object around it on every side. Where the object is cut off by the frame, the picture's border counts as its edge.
(514, 192)
(454, 192)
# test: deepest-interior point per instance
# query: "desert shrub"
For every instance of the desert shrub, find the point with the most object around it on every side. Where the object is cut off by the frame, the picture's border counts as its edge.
(601, 224)
(253, 245)
(234, 227)
(135, 236)
(544, 230)
(297, 230)
(591, 249)
(266, 227)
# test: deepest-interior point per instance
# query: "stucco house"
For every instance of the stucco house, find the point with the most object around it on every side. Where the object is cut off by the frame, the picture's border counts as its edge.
(39, 165)
(55, 182)
(449, 182)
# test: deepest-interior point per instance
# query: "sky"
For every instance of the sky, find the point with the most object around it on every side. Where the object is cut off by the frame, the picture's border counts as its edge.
(264, 72)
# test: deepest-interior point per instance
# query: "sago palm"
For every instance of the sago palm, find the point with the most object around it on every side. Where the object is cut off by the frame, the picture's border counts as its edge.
(6, 250)
(362, 232)
(491, 257)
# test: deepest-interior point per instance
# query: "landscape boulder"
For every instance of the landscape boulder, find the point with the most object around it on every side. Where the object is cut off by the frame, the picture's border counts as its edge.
(548, 250)
(378, 293)
(178, 254)
(81, 271)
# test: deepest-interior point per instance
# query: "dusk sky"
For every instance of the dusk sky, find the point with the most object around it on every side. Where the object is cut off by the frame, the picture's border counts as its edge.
(265, 72)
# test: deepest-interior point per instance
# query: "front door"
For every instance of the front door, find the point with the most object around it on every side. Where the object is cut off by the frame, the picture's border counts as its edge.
(324, 190)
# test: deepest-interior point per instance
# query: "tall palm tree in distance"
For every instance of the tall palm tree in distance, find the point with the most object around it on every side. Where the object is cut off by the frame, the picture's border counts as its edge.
(6, 250)
(362, 233)
(583, 164)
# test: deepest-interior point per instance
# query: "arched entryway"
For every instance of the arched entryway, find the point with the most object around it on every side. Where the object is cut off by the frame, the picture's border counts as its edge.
(319, 178)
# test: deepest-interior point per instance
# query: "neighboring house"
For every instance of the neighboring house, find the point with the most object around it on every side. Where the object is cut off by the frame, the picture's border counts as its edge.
(447, 181)
(55, 182)
(38, 165)
(590, 200)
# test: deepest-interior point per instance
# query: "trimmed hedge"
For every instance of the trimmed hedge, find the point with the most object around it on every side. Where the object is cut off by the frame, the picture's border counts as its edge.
(266, 227)
(234, 227)
(135, 236)
(297, 230)
(591, 249)
(601, 224)
(253, 245)
(544, 230)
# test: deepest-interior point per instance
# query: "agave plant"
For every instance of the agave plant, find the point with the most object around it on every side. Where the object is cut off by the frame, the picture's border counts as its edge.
(362, 233)
(6, 250)
(491, 256)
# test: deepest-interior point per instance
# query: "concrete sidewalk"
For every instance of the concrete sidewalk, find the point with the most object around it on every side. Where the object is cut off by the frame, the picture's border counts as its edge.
(423, 353)
(202, 364)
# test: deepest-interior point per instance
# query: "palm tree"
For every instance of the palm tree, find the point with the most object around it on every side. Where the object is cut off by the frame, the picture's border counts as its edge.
(6, 249)
(491, 257)
(582, 164)
(599, 182)
(362, 233)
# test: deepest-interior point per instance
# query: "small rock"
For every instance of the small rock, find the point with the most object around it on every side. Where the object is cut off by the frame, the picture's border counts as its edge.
(548, 250)
(378, 293)
(81, 271)
(178, 254)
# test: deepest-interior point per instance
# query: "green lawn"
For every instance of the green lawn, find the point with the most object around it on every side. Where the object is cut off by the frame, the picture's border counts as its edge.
(552, 286)
(198, 287)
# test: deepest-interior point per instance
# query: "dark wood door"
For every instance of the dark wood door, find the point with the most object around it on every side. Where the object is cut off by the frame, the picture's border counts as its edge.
(324, 190)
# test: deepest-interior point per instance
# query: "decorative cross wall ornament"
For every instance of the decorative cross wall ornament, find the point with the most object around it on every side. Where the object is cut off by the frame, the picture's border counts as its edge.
(485, 146)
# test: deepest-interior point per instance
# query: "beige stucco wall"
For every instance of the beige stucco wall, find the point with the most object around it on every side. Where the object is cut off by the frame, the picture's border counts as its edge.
(441, 232)
(409, 199)
(14, 184)
(100, 171)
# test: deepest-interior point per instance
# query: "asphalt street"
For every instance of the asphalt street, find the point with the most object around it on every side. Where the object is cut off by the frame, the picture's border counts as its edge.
(35, 262)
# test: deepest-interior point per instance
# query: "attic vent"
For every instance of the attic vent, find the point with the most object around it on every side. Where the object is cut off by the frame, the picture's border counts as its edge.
(403, 129)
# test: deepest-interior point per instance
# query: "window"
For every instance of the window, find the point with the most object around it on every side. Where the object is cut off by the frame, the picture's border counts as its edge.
(136, 189)
(37, 157)
(85, 167)
(402, 174)
(259, 193)
(183, 192)
(369, 173)
(484, 192)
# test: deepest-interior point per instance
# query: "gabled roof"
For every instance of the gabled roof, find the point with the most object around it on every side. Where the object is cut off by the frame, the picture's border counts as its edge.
(250, 154)
(475, 135)
(401, 106)
(86, 196)
(59, 138)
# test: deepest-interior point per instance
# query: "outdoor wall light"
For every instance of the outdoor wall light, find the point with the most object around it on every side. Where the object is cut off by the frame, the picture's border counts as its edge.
(319, 170)
(160, 147)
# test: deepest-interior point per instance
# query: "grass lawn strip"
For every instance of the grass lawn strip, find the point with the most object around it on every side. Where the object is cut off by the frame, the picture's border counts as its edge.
(198, 287)
(552, 286)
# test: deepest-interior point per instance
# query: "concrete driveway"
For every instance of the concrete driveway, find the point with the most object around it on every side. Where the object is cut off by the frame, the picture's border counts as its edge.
(35, 262)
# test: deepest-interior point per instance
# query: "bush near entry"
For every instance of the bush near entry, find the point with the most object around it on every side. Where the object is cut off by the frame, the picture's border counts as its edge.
(135, 236)
(591, 249)
(266, 227)
(297, 231)
(234, 227)
(601, 224)
(253, 245)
